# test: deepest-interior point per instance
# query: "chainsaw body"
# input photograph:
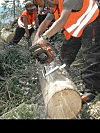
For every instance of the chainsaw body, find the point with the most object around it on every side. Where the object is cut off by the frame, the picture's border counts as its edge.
(42, 55)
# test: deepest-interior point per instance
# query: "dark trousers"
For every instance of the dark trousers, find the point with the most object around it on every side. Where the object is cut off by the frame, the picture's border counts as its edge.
(69, 50)
(19, 33)
(91, 54)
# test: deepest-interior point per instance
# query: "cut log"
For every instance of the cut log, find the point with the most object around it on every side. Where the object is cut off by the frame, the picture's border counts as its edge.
(61, 97)
(6, 35)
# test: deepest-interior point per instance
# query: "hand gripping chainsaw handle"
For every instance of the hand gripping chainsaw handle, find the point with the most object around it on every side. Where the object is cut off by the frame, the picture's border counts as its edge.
(42, 55)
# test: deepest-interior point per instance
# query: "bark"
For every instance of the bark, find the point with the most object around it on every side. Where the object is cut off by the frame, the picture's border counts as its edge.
(6, 35)
(62, 100)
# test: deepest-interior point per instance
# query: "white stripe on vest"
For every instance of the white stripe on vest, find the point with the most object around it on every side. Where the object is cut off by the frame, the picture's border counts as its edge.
(71, 28)
(83, 19)
(86, 20)
(21, 24)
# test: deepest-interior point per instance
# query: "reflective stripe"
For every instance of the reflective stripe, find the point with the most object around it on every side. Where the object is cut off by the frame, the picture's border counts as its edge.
(21, 24)
(76, 22)
(86, 20)
(29, 26)
(71, 28)
(33, 23)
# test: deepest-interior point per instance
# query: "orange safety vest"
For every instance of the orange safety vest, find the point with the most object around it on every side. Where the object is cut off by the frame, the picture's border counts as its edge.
(30, 19)
(77, 21)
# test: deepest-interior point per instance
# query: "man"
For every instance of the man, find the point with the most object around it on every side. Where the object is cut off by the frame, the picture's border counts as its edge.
(80, 22)
(26, 23)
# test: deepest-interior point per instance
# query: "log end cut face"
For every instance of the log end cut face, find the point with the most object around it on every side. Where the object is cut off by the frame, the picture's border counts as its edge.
(6, 35)
(64, 104)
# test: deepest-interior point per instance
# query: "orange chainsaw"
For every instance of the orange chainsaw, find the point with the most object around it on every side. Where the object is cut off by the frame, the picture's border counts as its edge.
(43, 55)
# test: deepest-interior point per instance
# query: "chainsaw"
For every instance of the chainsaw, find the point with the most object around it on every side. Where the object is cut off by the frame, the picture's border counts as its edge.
(42, 55)
(45, 56)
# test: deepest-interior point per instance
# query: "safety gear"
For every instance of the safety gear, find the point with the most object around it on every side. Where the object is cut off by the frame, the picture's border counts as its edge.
(30, 6)
(77, 21)
(42, 55)
(30, 19)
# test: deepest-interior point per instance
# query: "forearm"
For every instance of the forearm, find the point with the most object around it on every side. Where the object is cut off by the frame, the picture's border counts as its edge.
(36, 22)
(56, 27)
(26, 25)
(58, 24)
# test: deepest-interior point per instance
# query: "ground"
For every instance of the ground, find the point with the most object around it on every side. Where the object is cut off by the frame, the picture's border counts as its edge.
(27, 102)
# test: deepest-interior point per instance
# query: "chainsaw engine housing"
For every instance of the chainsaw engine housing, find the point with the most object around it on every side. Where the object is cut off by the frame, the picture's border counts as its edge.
(38, 53)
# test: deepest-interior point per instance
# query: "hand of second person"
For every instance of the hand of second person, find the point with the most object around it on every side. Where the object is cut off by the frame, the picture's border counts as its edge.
(41, 42)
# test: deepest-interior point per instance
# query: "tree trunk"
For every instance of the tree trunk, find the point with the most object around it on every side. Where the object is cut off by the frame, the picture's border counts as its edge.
(6, 35)
(62, 100)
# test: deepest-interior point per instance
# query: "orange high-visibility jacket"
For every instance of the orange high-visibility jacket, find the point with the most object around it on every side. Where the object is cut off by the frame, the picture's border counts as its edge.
(30, 19)
(77, 21)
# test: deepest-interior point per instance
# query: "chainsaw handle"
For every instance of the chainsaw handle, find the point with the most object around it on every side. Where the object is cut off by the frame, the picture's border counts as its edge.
(34, 47)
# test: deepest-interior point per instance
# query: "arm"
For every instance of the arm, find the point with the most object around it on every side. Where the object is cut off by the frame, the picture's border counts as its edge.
(59, 24)
(43, 26)
(24, 18)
